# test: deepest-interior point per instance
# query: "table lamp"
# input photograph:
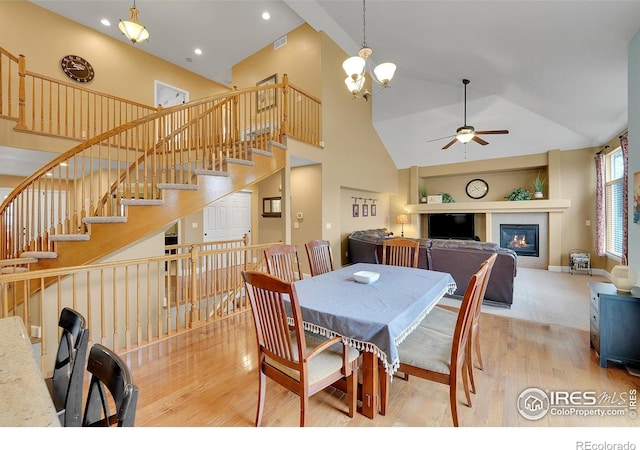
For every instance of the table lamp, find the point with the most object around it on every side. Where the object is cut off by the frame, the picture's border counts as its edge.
(402, 219)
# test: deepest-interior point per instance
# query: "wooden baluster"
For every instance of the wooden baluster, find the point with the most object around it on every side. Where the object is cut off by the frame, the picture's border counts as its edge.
(22, 94)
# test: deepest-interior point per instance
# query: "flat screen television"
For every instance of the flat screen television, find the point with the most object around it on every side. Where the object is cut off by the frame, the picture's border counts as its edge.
(451, 226)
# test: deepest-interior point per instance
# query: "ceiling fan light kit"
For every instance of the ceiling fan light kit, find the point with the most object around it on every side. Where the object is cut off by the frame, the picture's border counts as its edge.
(467, 133)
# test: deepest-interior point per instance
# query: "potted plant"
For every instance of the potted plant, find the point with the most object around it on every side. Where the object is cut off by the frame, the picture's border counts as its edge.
(447, 198)
(520, 194)
(423, 194)
(538, 185)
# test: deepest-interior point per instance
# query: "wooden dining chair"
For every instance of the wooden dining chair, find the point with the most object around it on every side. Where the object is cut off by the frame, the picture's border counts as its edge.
(435, 356)
(320, 257)
(282, 262)
(303, 363)
(67, 381)
(400, 252)
(444, 321)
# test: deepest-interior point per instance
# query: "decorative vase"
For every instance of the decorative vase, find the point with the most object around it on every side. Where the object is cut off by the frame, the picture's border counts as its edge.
(623, 277)
(538, 194)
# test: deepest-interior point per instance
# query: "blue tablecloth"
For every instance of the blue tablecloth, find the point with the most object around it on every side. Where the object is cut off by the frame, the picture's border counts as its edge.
(371, 317)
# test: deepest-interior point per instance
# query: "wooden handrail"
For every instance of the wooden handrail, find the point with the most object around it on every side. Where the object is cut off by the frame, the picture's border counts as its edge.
(132, 303)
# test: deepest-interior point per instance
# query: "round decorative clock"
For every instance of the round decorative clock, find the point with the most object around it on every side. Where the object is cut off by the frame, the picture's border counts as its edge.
(77, 68)
(477, 188)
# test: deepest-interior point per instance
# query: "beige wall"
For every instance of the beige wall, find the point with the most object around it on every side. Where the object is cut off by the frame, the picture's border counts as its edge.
(352, 158)
(570, 175)
(121, 69)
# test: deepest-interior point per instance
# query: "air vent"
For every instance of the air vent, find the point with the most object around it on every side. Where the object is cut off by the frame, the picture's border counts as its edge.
(280, 42)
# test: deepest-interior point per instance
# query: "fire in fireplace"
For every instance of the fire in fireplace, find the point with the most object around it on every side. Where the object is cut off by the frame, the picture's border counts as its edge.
(523, 239)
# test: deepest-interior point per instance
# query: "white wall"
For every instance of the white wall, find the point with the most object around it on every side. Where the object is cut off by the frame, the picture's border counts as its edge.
(634, 145)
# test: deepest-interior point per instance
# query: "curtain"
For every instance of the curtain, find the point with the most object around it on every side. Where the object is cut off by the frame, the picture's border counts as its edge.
(600, 213)
(625, 199)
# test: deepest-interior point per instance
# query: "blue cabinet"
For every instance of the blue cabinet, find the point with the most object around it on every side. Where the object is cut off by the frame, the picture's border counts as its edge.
(615, 324)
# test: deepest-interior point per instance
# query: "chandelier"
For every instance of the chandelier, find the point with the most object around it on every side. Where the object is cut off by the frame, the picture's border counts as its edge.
(132, 29)
(356, 67)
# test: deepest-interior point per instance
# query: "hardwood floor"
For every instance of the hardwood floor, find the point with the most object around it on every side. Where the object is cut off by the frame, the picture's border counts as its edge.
(209, 378)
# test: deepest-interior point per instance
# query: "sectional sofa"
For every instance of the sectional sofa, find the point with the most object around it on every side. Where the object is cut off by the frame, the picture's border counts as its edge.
(460, 258)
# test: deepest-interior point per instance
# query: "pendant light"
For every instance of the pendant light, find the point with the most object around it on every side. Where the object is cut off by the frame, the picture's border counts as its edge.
(132, 29)
(356, 67)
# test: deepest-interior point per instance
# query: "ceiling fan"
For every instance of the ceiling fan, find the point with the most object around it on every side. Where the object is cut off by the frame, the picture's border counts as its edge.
(466, 132)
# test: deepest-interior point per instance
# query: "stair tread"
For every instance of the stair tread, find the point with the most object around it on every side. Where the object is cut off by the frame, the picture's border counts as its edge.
(142, 202)
(104, 219)
(239, 161)
(217, 173)
(39, 254)
(69, 237)
(178, 186)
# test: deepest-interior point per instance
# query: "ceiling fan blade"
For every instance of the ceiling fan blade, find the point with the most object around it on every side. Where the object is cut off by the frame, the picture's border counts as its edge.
(449, 144)
(493, 132)
(479, 141)
(439, 139)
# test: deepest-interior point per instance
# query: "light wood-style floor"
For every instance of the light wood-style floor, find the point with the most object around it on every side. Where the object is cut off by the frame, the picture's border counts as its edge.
(209, 378)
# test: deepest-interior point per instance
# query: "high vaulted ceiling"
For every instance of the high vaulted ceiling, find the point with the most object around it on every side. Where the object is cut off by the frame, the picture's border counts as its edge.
(554, 73)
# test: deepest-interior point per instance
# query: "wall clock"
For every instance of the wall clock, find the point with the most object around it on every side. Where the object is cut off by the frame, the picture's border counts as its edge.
(477, 188)
(77, 68)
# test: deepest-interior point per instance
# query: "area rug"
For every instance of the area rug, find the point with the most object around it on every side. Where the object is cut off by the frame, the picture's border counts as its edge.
(557, 298)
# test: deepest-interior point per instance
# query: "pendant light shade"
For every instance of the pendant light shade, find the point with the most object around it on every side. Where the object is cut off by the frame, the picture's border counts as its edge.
(354, 66)
(132, 29)
(384, 72)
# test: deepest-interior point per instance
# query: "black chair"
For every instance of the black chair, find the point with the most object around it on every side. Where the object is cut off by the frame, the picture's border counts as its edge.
(110, 372)
(66, 383)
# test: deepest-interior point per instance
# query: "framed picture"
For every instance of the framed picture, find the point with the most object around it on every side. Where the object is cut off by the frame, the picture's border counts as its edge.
(266, 99)
(356, 210)
(373, 209)
(365, 210)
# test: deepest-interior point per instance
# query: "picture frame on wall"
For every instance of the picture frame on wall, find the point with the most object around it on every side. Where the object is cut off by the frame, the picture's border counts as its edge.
(267, 98)
(365, 210)
(356, 210)
(373, 210)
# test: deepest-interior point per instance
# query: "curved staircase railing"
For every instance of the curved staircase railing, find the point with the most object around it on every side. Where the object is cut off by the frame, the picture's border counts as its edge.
(133, 162)
(44, 105)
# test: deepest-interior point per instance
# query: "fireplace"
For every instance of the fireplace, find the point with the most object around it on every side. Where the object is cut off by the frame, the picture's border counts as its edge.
(521, 238)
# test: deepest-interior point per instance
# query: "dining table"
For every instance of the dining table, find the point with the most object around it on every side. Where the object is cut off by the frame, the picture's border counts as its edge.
(374, 317)
(24, 397)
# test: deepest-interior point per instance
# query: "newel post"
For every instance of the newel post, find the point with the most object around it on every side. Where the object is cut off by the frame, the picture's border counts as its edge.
(22, 93)
(194, 311)
(285, 106)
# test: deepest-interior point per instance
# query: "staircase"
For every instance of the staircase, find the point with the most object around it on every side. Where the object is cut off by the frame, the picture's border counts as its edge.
(140, 176)
(106, 234)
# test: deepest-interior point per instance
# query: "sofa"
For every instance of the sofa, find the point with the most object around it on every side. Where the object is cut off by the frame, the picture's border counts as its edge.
(460, 258)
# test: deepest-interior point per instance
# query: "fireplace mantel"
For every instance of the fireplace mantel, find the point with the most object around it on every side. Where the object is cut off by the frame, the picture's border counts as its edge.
(490, 207)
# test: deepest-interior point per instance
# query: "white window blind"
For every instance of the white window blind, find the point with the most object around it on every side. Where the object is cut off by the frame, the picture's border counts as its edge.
(614, 202)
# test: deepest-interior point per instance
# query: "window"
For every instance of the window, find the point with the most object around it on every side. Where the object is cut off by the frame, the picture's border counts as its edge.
(614, 173)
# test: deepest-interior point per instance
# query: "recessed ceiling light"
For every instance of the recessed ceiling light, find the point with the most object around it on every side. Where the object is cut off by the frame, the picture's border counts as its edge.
(105, 22)
(197, 51)
(266, 15)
